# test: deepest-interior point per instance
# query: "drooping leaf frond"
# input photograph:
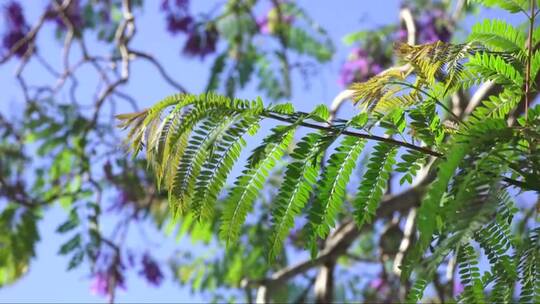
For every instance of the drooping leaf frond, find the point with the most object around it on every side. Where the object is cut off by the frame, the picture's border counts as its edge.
(193, 148)
(332, 187)
(299, 179)
(529, 268)
(192, 160)
(251, 182)
(374, 182)
(498, 35)
(513, 6)
(470, 275)
(494, 67)
(218, 166)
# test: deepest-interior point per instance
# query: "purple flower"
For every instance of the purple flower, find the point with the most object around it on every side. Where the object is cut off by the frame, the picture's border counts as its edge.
(377, 284)
(105, 282)
(201, 43)
(402, 35)
(16, 28)
(458, 288)
(176, 24)
(72, 12)
(180, 4)
(376, 68)
(10, 39)
(100, 285)
(358, 67)
(178, 18)
(151, 271)
(262, 24)
(434, 26)
(14, 17)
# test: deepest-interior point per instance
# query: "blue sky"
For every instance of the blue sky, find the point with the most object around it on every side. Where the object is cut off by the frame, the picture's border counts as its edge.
(47, 280)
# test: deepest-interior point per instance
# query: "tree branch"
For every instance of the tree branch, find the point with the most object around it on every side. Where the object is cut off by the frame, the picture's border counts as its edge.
(356, 134)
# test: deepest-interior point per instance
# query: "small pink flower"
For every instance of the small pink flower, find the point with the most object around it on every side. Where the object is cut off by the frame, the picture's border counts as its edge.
(377, 284)
(262, 24)
(100, 285)
(105, 282)
(458, 287)
(402, 35)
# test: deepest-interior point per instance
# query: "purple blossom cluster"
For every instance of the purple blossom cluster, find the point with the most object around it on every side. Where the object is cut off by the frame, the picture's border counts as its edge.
(201, 42)
(105, 282)
(178, 18)
(151, 270)
(432, 26)
(16, 28)
(378, 290)
(73, 13)
(359, 67)
(201, 38)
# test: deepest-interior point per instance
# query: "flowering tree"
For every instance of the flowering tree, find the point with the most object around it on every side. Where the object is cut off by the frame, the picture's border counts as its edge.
(447, 128)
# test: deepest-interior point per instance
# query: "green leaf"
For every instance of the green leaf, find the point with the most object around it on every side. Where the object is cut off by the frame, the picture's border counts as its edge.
(513, 6)
(72, 244)
(300, 177)
(428, 213)
(70, 224)
(218, 165)
(194, 157)
(498, 35)
(495, 68)
(248, 185)
(331, 190)
(374, 182)
(18, 236)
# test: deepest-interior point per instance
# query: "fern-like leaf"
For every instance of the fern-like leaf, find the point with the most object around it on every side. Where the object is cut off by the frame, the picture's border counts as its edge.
(494, 67)
(498, 35)
(250, 183)
(193, 158)
(470, 275)
(429, 209)
(529, 268)
(300, 177)
(374, 182)
(332, 187)
(218, 165)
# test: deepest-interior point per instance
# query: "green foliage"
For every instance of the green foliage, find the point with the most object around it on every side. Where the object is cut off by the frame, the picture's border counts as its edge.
(513, 6)
(466, 210)
(470, 275)
(248, 185)
(529, 268)
(495, 68)
(300, 177)
(18, 236)
(332, 188)
(498, 36)
(242, 60)
(374, 182)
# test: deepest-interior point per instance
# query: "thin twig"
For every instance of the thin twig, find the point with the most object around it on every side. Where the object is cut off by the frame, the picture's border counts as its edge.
(359, 135)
